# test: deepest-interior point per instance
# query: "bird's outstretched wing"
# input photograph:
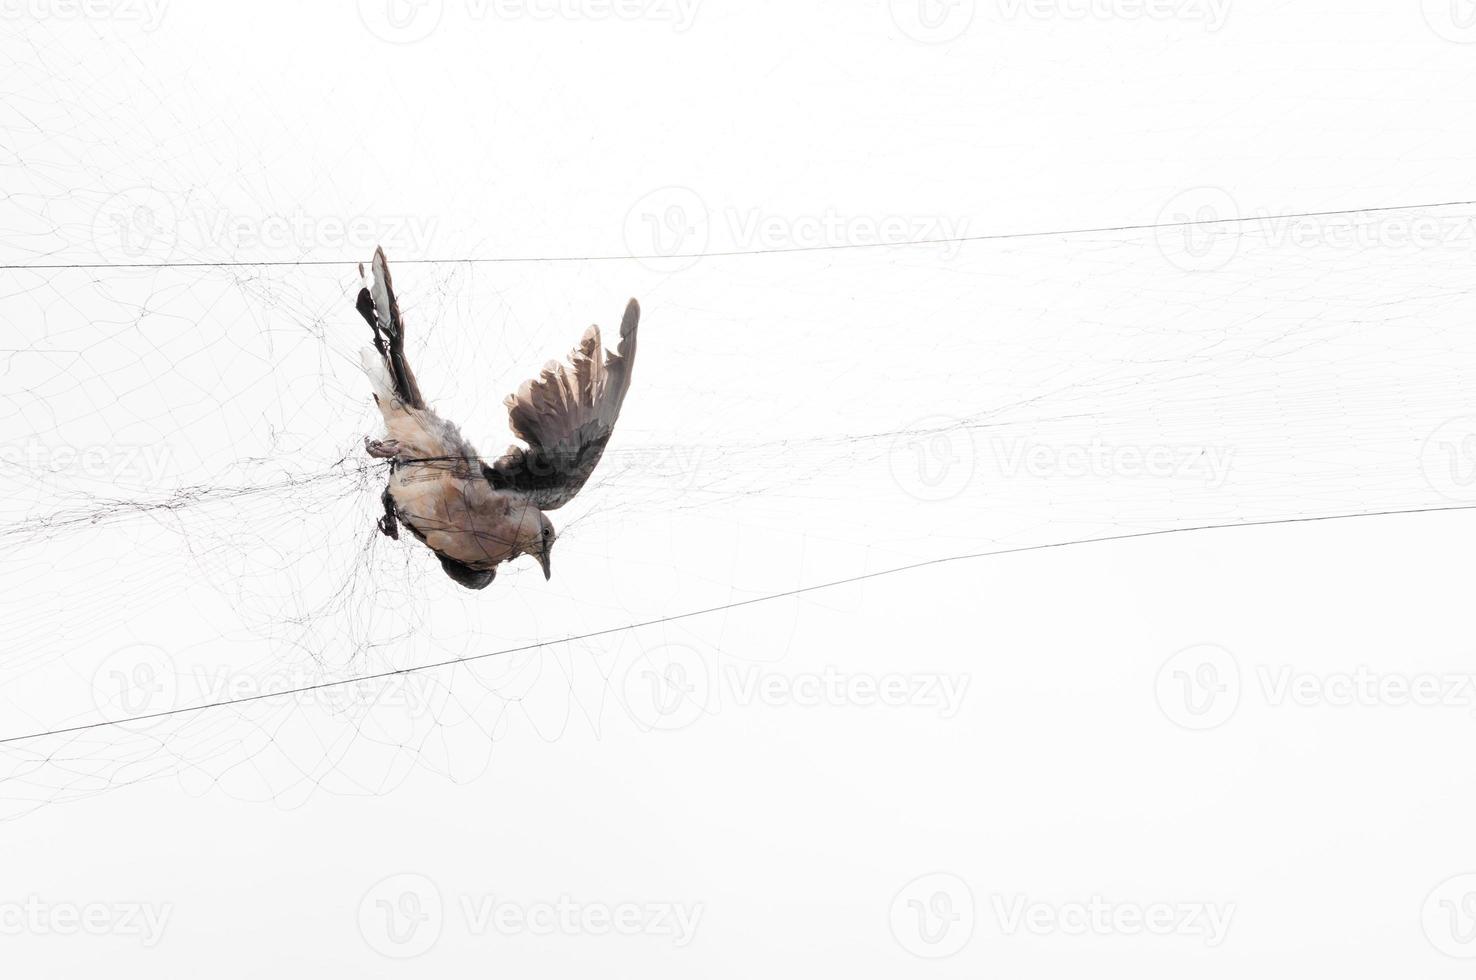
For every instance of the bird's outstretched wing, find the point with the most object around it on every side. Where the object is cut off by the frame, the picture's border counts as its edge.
(566, 416)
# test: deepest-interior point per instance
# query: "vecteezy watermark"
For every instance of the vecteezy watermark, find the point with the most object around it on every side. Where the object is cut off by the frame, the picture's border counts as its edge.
(933, 21)
(401, 21)
(932, 916)
(300, 233)
(1363, 687)
(1204, 229)
(1099, 458)
(408, 692)
(942, 21)
(109, 462)
(401, 917)
(936, 459)
(668, 229)
(1361, 231)
(678, 14)
(136, 687)
(1454, 20)
(1448, 459)
(673, 467)
(147, 14)
(404, 916)
(933, 459)
(833, 687)
(408, 21)
(134, 684)
(1098, 916)
(672, 686)
(671, 229)
(1449, 917)
(1198, 230)
(668, 687)
(137, 225)
(566, 916)
(1198, 688)
(35, 916)
(144, 225)
(758, 231)
(1211, 13)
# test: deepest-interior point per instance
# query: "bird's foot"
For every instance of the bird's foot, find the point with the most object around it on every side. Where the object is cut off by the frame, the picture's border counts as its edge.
(383, 448)
(389, 525)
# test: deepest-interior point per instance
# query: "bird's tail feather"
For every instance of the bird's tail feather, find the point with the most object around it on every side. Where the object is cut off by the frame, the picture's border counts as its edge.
(377, 305)
(379, 375)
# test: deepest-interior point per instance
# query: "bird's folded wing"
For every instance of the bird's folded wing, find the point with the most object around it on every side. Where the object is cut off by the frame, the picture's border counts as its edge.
(566, 416)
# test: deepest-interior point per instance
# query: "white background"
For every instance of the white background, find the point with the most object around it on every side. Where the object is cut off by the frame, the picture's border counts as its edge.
(1209, 719)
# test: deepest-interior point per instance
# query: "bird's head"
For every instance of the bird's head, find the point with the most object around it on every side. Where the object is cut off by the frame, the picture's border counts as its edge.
(546, 538)
(533, 535)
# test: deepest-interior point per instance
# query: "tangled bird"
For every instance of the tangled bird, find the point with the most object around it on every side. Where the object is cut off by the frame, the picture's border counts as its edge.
(473, 515)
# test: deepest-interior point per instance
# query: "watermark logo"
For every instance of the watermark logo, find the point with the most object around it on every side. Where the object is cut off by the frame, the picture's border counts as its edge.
(1203, 230)
(1211, 13)
(133, 920)
(672, 228)
(1364, 687)
(299, 233)
(409, 21)
(408, 692)
(147, 14)
(680, 14)
(1360, 231)
(1453, 20)
(672, 467)
(107, 462)
(672, 686)
(933, 460)
(668, 687)
(1198, 688)
(1449, 917)
(1199, 230)
(401, 21)
(668, 229)
(758, 231)
(932, 916)
(567, 916)
(1098, 916)
(135, 683)
(933, 21)
(139, 682)
(833, 687)
(138, 225)
(402, 916)
(1099, 458)
(1448, 459)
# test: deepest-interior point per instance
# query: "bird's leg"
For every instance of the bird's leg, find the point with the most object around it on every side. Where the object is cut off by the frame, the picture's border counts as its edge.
(389, 525)
(383, 449)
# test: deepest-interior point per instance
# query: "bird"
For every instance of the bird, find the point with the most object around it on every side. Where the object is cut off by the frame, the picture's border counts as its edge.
(475, 515)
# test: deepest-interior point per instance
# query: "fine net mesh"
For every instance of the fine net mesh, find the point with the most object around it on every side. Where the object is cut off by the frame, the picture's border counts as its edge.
(195, 589)
(189, 516)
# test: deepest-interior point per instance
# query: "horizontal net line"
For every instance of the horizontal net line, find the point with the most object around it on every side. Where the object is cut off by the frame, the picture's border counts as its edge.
(694, 613)
(734, 253)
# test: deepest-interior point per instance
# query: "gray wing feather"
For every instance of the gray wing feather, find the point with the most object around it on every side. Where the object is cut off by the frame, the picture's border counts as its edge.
(566, 416)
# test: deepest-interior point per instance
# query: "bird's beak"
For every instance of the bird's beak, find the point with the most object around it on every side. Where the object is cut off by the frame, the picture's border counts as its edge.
(547, 562)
